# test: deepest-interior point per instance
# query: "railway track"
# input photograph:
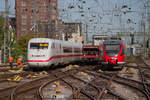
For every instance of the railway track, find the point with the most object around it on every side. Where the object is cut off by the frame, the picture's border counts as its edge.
(11, 75)
(19, 92)
(89, 89)
(94, 87)
(124, 81)
(26, 88)
(6, 73)
(65, 78)
(6, 89)
(144, 80)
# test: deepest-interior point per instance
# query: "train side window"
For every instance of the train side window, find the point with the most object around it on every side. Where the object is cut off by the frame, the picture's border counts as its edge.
(67, 49)
(77, 50)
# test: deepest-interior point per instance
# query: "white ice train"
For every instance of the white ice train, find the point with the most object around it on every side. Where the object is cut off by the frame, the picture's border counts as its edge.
(44, 52)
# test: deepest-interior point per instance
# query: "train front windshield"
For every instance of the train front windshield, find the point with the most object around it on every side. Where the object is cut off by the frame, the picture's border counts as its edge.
(38, 45)
(112, 49)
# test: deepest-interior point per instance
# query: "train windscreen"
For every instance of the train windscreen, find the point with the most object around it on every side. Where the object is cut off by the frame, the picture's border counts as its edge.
(38, 45)
(112, 49)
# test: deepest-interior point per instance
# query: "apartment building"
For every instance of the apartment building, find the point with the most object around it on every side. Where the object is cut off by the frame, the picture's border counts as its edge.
(36, 16)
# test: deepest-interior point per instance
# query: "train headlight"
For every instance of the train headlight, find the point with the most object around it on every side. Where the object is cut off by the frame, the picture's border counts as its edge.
(116, 54)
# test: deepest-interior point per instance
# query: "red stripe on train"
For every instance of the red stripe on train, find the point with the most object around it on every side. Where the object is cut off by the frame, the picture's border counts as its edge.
(54, 57)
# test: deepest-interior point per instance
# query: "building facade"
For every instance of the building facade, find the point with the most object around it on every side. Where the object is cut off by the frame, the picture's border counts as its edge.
(36, 16)
(72, 32)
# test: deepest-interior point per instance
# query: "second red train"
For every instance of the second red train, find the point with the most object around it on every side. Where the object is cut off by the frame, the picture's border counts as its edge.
(110, 52)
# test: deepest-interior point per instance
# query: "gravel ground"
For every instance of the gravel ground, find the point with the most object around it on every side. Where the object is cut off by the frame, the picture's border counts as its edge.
(57, 90)
(126, 92)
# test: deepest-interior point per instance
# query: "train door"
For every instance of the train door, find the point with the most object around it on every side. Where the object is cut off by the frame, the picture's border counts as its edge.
(102, 53)
(53, 54)
(122, 53)
(61, 52)
(73, 53)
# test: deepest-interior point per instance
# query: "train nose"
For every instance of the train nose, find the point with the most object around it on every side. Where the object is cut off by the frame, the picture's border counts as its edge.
(112, 61)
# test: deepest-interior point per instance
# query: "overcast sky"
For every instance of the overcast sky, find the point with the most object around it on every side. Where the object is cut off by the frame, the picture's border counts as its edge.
(99, 15)
(11, 5)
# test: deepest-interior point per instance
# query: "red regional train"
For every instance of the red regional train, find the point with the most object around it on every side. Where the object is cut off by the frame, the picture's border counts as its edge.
(113, 52)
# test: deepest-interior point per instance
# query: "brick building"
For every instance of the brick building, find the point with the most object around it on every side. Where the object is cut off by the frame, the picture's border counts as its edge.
(36, 16)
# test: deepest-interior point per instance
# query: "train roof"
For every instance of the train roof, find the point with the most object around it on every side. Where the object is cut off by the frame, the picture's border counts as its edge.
(53, 40)
(90, 46)
(113, 41)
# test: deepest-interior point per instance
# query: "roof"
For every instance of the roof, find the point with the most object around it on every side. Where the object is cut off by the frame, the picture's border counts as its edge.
(113, 41)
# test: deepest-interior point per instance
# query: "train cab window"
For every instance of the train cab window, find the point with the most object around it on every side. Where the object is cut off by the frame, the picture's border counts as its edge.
(112, 49)
(38, 45)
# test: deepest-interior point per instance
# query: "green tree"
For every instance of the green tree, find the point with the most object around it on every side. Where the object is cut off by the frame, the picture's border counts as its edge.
(19, 48)
(1, 31)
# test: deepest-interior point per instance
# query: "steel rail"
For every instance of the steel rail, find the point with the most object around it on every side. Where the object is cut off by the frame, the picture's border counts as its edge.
(115, 94)
(117, 81)
(142, 77)
(73, 87)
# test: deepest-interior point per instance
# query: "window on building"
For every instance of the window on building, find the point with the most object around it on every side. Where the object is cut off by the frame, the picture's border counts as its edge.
(33, 3)
(43, 10)
(53, 17)
(23, 16)
(53, 0)
(53, 11)
(43, 17)
(24, 10)
(53, 4)
(43, 4)
(24, 22)
(33, 22)
(23, 3)
(24, 28)
(34, 10)
(33, 16)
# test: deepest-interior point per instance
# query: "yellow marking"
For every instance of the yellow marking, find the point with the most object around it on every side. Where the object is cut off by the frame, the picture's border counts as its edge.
(100, 70)
(20, 70)
(11, 71)
(9, 79)
(58, 91)
(19, 79)
(41, 44)
(16, 77)
(45, 44)
(34, 76)
(29, 76)
(128, 70)
(54, 95)
(55, 83)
